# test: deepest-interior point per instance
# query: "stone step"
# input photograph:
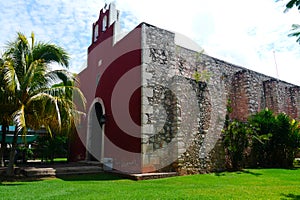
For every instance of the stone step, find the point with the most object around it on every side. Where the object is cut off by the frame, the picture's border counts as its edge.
(79, 170)
(146, 176)
(143, 176)
(34, 172)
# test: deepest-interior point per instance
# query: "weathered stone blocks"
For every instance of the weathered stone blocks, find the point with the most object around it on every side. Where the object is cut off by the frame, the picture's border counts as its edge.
(183, 118)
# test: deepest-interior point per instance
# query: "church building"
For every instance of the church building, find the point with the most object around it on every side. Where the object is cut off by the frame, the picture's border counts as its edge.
(155, 103)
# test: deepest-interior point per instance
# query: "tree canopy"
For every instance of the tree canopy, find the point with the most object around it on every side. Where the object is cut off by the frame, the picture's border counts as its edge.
(33, 94)
(293, 3)
(295, 31)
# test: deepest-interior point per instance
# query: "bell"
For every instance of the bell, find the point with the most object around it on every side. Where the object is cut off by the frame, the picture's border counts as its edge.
(102, 119)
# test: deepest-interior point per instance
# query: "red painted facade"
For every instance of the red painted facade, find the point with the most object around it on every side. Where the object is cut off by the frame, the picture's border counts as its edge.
(108, 62)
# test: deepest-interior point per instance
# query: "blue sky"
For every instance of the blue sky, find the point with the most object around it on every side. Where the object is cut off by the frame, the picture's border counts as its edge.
(245, 33)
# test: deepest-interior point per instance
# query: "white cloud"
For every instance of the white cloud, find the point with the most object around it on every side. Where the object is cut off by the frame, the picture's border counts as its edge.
(66, 23)
(241, 32)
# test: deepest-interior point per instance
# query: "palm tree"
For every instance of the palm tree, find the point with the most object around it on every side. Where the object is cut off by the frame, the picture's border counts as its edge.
(291, 4)
(6, 104)
(35, 98)
(295, 31)
(3, 117)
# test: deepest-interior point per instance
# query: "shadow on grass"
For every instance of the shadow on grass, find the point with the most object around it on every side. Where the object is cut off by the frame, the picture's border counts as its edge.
(238, 172)
(291, 196)
(220, 174)
(9, 184)
(16, 180)
(249, 172)
(90, 177)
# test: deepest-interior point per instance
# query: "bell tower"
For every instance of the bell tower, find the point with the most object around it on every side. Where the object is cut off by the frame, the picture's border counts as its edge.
(107, 25)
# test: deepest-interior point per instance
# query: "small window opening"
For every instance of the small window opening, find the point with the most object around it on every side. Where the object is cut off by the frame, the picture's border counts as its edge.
(104, 23)
(96, 33)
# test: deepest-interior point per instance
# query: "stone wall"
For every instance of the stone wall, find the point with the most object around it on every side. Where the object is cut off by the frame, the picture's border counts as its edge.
(183, 118)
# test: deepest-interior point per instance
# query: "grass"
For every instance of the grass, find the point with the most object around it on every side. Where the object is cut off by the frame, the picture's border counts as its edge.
(55, 160)
(247, 184)
(60, 159)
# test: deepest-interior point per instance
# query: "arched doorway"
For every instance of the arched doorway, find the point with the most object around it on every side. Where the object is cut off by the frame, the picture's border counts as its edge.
(95, 131)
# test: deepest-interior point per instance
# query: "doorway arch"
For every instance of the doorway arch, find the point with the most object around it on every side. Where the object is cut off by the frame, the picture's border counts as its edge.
(95, 131)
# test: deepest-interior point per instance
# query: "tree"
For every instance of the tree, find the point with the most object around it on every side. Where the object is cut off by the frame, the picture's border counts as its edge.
(295, 27)
(38, 96)
(292, 3)
(4, 116)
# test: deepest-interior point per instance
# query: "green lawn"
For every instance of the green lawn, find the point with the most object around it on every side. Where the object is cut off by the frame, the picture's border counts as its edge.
(248, 184)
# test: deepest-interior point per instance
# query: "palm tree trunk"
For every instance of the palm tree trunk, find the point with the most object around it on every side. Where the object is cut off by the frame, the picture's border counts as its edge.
(3, 142)
(10, 168)
(1, 157)
(3, 149)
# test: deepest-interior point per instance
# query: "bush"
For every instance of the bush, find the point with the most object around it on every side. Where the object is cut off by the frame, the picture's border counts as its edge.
(264, 124)
(236, 141)
(271, 140)
(24, 153)
(281, 136)
(49, 147)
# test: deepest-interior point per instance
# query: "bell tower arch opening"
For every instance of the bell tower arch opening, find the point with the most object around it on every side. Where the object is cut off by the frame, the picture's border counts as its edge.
(104, 23)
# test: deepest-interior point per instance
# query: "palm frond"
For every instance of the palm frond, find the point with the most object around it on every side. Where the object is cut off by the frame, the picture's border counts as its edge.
(291, 4)
(70, 93)
(296, 32)
(19, 120)
(55, 108)
(49, 131)
(10, 77)
(61, 77)
(78, 98)
(58, 113)
(32, 40)
(51, 53)
(1, 63)
(18, 51)
(35, 79)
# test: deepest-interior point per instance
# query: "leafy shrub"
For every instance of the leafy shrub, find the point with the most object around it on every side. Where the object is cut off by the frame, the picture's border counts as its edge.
(51, 147)
(279, 139)
(264, 124)
(236, 141)
(24, 153)
(265, 140)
